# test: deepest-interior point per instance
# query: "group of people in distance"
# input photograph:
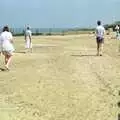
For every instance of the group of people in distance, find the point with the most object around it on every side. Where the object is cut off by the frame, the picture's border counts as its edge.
(7, 47)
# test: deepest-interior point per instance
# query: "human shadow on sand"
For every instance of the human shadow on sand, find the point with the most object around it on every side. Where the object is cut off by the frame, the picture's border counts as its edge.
(83, 55)
(3, 69)
(118, 104)
(22, 52)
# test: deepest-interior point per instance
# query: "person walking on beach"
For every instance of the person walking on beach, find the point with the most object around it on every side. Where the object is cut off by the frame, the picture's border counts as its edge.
(100, 32)
(6, 46)
(28, 39)
(117, 29)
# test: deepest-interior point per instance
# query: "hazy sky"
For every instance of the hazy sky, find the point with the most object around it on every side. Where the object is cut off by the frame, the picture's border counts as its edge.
(58, 13)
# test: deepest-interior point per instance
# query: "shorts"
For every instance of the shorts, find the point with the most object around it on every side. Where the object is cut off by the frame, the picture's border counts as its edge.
(100, 40)
(7, 49)
(9, 53)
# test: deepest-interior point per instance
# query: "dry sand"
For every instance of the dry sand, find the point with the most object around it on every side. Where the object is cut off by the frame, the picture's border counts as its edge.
(61, 80)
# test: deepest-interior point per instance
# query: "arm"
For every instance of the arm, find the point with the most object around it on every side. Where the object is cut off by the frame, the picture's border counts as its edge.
(11, 38)
(104, 31)
(25, 36)
(30, 36)
(95, 32)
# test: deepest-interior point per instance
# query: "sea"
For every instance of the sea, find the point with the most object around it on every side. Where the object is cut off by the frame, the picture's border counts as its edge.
(39, 30)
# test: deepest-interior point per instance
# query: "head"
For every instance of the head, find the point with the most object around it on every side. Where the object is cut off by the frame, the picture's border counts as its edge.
(6, 28)
(98, 23)
(28, 28)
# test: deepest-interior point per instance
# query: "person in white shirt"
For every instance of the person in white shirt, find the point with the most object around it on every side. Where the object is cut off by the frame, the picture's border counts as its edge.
(100, 32)
(6, 45)
(28, 39)
(117, 28)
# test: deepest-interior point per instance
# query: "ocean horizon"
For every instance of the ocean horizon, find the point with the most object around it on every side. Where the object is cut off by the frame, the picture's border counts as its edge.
(39, 30)
(21, 30)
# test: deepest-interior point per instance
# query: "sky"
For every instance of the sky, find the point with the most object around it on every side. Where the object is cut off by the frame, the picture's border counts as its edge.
(58, 13)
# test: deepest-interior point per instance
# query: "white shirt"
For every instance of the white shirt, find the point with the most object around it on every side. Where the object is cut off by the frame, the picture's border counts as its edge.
(100, 31)
(28, 33)
(5, 37)
(5, 42)
(117, 28)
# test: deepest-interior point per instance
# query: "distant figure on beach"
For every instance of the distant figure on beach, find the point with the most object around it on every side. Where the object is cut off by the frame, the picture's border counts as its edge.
(117, 29)
(100, 32)
(28, 39)
(6, 46)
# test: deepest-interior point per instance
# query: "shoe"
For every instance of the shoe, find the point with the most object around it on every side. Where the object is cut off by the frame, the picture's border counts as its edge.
(7, 68)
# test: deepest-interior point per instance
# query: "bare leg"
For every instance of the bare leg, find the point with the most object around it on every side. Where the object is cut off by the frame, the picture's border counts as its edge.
(98, 48)
(30, 47)
(101, 49)
(8, 61)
